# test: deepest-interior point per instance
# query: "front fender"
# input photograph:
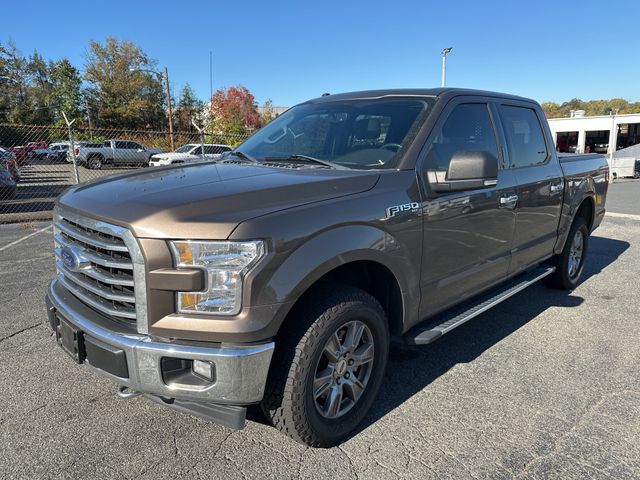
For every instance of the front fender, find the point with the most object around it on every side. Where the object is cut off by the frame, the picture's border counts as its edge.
(334, 248)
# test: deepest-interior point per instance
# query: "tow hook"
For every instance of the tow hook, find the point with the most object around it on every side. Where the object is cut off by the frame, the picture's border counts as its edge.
(126, 393)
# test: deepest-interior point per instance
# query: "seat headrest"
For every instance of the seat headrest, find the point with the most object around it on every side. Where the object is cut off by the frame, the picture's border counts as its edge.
(367, 128)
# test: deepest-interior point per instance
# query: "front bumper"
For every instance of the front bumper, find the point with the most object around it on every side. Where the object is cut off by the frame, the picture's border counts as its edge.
(240, 370)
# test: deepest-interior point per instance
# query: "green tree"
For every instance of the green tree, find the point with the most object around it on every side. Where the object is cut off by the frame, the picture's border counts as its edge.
(590, 107)
(551, 109)
(189, 108)
(66, 92)
(124, 91)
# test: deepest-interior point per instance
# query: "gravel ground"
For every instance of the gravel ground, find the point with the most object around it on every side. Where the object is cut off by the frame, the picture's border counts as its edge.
(546, 385)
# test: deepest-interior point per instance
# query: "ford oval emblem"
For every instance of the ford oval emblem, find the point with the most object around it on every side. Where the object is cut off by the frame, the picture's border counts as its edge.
(73, 259)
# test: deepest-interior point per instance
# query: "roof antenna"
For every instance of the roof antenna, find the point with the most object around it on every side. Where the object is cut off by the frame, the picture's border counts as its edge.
(326, 94)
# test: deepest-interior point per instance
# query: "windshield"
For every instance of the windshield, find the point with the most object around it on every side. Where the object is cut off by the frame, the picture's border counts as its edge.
(185, 148)
(363, 134)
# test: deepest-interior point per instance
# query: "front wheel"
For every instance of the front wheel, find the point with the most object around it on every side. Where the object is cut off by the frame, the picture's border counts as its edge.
(570, 263)
(327, 372)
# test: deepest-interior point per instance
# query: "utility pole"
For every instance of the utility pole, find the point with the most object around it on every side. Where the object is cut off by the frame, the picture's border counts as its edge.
(445, 51)
(169, 112)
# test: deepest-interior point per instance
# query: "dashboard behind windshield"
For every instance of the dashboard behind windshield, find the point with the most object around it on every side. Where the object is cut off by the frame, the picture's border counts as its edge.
(361, 134)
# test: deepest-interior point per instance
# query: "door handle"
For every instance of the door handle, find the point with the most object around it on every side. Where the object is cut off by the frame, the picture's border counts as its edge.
(508, 201)
(558, 187)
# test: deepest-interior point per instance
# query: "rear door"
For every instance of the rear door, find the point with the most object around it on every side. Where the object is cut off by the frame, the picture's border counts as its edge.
(529, 152)
(467, 234)
(137, 153)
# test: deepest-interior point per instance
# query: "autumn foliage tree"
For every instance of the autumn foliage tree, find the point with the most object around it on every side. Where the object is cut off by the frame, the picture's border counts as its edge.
(234, 111)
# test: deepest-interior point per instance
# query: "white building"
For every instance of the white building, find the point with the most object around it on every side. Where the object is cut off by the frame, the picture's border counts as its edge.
(582, 134)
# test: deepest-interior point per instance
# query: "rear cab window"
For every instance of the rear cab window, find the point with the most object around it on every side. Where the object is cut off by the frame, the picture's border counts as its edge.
(526, 144)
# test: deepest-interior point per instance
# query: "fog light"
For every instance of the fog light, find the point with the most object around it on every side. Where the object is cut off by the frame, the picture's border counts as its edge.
(203, 369)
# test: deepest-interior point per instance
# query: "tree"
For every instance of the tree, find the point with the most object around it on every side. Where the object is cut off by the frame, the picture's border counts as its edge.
(590, 107)
(234, 111)
(12, 82)
(66, 91)
(124, 91)
(267, 112)
(189, 108)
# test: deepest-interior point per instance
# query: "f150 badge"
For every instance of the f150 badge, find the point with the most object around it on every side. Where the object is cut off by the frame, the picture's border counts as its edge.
(407, 207)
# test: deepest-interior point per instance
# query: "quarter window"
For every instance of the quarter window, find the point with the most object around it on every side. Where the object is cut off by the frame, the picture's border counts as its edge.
(467, 128)
(525, 139)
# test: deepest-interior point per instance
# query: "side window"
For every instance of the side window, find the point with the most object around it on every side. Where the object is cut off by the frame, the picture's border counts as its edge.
(525, 139)
(133, 146)
(468, 128)
(197, 151)
(120, 144)
(212, 149)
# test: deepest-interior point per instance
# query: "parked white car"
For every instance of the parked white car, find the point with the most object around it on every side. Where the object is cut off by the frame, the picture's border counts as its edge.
(192, 152)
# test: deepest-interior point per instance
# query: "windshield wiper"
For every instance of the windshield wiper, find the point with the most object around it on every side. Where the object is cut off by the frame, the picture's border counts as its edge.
(305, 159)
(244, 156)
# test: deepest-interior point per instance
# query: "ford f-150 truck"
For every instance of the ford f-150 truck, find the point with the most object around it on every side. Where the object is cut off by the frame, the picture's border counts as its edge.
(280, 274)
(117, 152)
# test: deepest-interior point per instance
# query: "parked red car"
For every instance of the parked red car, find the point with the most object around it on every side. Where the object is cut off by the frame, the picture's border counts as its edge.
(28, 150)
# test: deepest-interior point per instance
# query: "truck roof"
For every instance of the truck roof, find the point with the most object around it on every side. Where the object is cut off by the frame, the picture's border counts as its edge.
(423, 92)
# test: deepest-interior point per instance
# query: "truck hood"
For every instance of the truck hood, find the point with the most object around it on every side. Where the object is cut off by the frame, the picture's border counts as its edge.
(207, 201)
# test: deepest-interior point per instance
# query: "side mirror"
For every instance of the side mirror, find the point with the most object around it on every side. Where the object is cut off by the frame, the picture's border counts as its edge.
(468, 170)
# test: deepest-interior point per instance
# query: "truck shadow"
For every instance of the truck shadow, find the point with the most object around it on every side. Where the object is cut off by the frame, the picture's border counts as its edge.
(411, 370)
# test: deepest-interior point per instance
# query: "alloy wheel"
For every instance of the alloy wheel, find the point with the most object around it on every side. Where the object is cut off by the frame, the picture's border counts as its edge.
(343, 369)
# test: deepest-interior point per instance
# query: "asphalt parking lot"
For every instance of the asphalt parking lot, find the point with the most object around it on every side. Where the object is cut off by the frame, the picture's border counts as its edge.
(546, 385)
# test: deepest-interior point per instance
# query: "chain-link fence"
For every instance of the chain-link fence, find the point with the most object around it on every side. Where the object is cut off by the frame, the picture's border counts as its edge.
(37, 163)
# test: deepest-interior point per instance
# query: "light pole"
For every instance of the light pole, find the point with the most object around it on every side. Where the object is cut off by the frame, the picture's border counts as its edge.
(166, 81)
(445, 51)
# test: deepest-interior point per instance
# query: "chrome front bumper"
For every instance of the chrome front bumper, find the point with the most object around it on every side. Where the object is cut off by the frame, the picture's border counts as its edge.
(241, 371)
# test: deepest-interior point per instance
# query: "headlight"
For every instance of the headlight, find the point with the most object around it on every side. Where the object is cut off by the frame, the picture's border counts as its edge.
(225, 264)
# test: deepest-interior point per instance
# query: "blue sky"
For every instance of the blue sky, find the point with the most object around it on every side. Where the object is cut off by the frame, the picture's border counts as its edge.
(294, 50)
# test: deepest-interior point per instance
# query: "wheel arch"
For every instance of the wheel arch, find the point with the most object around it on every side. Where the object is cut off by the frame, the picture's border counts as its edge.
(355, 256)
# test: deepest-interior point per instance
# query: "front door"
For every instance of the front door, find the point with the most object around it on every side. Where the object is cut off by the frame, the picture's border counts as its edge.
(467, 234)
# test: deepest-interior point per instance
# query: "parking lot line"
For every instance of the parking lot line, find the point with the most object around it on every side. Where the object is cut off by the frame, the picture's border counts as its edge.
(623, 215)
(15, 242)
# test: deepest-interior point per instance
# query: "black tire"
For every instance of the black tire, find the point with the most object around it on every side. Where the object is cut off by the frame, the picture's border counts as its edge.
(289, 401)
(563, 278)
(95, 162)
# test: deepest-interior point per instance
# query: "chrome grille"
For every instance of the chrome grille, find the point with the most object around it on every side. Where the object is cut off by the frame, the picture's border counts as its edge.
(106, 267)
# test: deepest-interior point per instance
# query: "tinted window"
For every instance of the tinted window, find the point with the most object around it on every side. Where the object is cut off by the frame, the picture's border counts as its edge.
(524, 136)
(468, 128)
(215, 149)
(196, 151)
(133, 145)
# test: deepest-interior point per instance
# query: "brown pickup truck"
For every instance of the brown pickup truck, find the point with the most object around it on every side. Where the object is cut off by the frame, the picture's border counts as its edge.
(279, 274)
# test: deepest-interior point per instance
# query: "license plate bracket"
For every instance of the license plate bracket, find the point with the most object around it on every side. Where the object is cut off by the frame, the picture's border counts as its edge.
(70, 339)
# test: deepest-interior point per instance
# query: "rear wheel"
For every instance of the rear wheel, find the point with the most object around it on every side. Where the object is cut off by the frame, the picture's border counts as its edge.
(326, 374)
(570, 263)
(95, 162)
